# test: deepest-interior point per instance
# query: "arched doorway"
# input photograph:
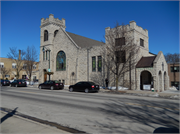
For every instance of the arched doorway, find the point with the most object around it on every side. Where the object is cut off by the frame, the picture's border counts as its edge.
(145, 79)
(160, 81)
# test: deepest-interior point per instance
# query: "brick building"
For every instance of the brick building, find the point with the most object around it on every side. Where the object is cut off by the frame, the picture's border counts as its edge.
(74, 58)
(173, 71)
(9, 64)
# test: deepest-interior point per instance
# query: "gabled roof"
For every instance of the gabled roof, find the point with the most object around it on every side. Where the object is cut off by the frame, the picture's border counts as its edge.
(84, 42)
(153, 54)
(146, 62)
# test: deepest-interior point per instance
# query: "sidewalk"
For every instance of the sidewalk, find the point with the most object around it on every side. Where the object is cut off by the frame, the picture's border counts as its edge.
(15, 124)
(165, 94)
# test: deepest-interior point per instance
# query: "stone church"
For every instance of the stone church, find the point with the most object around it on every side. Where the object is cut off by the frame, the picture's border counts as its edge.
(71, 58)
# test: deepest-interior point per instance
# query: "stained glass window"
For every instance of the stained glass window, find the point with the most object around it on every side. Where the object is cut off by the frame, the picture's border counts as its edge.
(61, 61)
(99, 63)
(93, 63)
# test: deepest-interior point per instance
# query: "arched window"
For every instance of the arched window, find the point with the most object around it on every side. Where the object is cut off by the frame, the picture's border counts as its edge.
(61, 61)
(55, 32)
(45, 35)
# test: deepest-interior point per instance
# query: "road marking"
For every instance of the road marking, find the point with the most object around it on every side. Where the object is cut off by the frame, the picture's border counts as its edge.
(151, 106)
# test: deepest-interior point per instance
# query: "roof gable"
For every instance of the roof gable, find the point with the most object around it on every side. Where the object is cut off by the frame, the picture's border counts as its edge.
(146, 62)
(84, 42)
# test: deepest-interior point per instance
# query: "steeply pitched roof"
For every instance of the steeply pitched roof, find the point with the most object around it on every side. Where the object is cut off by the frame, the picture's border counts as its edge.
(84, 42)
(152, 53)
(146, 62)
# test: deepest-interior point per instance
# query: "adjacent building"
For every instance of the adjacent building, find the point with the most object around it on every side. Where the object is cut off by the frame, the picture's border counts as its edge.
(74, 58)
(173, 71)
(9, 64)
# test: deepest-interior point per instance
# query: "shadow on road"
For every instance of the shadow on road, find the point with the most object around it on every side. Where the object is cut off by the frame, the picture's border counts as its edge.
(139, 116)
(8, 115)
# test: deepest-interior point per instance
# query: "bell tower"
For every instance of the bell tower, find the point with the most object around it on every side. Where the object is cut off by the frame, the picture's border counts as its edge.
(49, 28)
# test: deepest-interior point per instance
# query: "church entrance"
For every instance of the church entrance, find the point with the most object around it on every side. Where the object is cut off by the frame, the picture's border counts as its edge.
(45, 75)
(146, 80)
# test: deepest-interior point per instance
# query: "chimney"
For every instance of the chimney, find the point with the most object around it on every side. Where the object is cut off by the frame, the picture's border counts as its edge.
(19, 54)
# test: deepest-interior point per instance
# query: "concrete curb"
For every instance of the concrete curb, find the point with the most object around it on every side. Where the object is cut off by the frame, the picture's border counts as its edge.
(40, 125)
(144, 94)
(26, 120)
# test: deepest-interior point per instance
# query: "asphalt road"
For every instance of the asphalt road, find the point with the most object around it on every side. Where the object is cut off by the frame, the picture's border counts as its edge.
(94, 112)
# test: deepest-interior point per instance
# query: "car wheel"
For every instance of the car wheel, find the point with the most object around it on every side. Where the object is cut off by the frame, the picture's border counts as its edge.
(86, 90)
(39, 87)
(71, 89)
(52, 87)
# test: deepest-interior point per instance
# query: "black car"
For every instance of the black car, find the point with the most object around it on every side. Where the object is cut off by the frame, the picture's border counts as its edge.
(52, 84)
(5, 82)
(85, 86)
(18, 83)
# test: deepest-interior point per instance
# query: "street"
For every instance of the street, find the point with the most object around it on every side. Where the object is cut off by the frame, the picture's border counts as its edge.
(94, 112)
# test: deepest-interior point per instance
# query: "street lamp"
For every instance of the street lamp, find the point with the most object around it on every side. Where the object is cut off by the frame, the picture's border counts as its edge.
(47, 49)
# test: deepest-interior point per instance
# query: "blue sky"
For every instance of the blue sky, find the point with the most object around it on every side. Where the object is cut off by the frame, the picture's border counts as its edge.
(20, 21)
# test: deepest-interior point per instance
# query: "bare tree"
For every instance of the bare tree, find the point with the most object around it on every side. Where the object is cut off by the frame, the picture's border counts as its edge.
(31, 58)
(98, 78)
(120, 52)
(172, 59)
(17, 58)
(4, 71)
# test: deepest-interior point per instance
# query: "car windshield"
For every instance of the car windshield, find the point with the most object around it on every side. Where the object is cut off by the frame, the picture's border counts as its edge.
(23, 80)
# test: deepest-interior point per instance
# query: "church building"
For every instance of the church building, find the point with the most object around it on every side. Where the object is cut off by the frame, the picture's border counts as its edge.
(71, 58)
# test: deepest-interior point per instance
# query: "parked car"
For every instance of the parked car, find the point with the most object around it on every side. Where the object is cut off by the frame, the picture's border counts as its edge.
(85, 86)
(5, 82)
(18, 83)
(52, 84)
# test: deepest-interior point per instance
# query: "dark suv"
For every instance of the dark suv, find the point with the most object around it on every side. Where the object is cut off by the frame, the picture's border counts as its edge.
(5, 82)
(18, 83)
(52, 84)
